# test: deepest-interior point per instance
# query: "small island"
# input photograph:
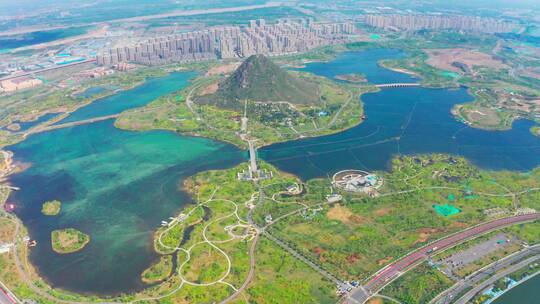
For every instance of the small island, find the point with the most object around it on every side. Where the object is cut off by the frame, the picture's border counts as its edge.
(14, 127)
(536, 131)
(51, 208)
(352, 78)
(68, 240)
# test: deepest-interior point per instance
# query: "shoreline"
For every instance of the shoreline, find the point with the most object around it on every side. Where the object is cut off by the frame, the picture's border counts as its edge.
(523, 280)
(61, 115)
(398, 70)
(456, 113)
(218, 140)
(113, 297)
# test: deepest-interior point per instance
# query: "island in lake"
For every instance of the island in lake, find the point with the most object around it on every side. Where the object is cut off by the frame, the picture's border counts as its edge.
(51, 208)
(353, 78)
(68, 240)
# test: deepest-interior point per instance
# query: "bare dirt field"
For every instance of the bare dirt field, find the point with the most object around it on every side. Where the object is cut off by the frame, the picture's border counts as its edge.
(382, 211)
(344, 215)
(443, 59)
(424, 234)
(511, 99)
(375, 301)
(483, 116)
(211, 89)
(223, 69)
(384, 261)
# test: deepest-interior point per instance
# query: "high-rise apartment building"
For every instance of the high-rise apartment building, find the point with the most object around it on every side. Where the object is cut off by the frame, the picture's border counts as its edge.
(454, 22)
(284, 37)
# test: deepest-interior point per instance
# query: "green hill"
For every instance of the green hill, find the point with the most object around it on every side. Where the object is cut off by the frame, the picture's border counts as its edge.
(259, 79)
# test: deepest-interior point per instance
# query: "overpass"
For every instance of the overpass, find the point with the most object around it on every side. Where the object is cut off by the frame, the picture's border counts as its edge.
(397, 85)
(391, 272)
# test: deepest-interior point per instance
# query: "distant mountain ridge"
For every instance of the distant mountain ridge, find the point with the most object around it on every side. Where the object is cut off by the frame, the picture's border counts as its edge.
(259, 79)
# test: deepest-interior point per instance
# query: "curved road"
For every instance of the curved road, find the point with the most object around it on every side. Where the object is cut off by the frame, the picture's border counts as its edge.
(394, 270)
(471, 294)
(488, 271)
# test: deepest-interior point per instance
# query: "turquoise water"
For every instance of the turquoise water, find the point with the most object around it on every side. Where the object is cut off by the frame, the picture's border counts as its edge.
(524, 293)
(133, 98)
(401, 121)
(25, 125)
(117, 186)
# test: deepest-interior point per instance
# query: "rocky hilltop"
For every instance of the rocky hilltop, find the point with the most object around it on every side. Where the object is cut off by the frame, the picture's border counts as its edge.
(259, 79)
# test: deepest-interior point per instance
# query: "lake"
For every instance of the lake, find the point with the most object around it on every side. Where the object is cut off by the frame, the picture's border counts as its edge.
(118, 185)
(525, 293)
(408, 120)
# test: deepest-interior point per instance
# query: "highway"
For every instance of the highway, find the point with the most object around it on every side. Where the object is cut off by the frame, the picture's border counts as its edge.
(480, 275)
(394, 270)
(6, 296)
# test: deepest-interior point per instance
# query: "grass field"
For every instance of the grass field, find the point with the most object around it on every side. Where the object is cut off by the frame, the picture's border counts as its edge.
(337, 110)
(363, 234)
(418, 286)
(351, 239)
(213, 242)
(159, 271)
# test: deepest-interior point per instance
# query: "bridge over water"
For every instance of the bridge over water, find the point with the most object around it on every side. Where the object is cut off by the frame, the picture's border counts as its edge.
(398, 85)
(71, 124)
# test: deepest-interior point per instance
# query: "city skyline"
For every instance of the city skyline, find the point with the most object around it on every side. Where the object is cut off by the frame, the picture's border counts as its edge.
(284, 37)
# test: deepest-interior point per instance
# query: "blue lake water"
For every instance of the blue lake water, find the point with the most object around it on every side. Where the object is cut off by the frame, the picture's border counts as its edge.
(525, 293)
(366, 62)
(117, 185)
(401, 121)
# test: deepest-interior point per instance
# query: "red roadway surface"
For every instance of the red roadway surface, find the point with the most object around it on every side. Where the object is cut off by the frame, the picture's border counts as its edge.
(5, 298)
(394, 269)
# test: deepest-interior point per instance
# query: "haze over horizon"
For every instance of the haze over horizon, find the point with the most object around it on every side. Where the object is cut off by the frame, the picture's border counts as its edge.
(269, 152)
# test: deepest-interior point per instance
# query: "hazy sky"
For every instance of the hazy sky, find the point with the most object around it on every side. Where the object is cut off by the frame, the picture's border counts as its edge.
(11, 7)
